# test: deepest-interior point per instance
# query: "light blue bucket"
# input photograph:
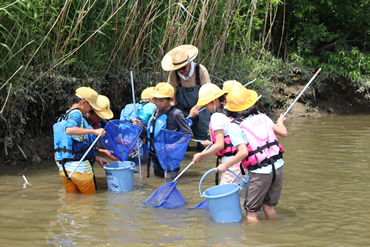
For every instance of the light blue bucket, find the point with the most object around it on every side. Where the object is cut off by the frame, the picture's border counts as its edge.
(120, 175)
(223, 200)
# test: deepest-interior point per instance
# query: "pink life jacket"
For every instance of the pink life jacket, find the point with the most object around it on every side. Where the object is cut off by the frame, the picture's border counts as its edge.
(229, 149)
(263, 146)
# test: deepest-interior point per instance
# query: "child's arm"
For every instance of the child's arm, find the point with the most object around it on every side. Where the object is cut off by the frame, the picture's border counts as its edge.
(240, 155)
(138, 123)
(101, 161)
(107, 153)
(181, 123)
(74, 122)
(279, 128)
(219, 145)
(83, 131)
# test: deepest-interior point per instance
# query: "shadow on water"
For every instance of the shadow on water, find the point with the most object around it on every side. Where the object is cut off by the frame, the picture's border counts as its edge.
(324, 200)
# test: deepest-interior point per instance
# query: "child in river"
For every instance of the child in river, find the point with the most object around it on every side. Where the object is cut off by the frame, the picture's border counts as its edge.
(72, 138)
(212, 97)
(253, 134)
(98, 119)
(164, 116)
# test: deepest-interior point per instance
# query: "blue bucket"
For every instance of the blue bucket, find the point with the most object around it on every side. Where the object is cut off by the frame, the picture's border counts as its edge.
(223, 200)
(120, 175)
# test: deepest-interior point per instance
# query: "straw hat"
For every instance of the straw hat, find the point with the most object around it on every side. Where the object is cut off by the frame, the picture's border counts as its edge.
(163, 90)
(104, 104)
(179, 57)
(147, 93)
(90, 95)
(228, 85)
(240, 99)
(209, 92)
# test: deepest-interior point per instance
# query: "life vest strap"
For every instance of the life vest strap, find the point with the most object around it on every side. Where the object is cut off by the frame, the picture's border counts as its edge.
(228, 145)
(265, 162)
(217, 173)
(260, 149)
(228, 154)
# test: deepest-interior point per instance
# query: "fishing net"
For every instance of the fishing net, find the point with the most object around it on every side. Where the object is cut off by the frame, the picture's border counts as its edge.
(167, 197)
(120, 138)
(202, 205)
(140, 151)
(170, 148)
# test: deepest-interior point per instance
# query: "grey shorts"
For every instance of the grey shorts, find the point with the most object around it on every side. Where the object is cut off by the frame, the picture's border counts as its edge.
(261, 190)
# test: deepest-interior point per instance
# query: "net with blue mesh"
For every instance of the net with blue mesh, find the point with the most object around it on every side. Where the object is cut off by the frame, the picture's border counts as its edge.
(167, 197)
(120, 138)
(170, 148)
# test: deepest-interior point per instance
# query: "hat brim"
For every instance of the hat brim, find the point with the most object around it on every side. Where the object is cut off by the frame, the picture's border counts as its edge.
(206, 101)
(105, 114)
(254, 97)
(94, 106)
(167, 64)
(160, 96)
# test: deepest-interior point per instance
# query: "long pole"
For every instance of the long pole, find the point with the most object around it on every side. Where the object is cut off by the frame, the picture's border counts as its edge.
(250, 82)
(304, 89)
(83, 157)
(137, 143)
(190, 164)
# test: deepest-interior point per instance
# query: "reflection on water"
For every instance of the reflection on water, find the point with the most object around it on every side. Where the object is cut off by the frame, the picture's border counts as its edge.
(324, 200)
(72, 216)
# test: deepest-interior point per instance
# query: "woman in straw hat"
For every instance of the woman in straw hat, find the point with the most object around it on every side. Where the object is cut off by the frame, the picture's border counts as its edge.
(187, 77)
(254, 134)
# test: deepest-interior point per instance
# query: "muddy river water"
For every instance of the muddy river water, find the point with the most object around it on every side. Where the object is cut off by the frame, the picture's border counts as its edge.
(325, 200)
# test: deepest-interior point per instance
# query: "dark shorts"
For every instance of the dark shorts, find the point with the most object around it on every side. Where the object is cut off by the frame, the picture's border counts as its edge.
(261, 191)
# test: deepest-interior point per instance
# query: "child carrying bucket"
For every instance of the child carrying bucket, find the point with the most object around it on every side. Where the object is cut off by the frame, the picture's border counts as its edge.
(165, 116)
(212, 97)
(253, 134)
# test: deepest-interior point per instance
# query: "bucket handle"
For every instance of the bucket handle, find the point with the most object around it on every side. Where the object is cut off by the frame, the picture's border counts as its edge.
(134, 170)
(212, 170)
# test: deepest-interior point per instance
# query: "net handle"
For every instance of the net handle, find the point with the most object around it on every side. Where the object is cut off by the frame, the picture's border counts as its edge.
(191, 163)
(83, 157)
(133, 98)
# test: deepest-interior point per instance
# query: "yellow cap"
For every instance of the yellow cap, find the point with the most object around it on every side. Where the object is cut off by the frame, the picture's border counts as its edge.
(163, 90)
(209, 92)
(228, 85)
(90, 95)
(240, 99)
(104, 103)
(147, 93)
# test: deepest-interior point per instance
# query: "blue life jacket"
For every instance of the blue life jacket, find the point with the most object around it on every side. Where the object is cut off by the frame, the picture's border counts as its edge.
(156, 124)
(65, 147)
(128, 114)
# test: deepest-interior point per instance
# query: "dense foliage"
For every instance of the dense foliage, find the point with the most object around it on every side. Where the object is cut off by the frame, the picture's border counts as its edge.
(49, 48)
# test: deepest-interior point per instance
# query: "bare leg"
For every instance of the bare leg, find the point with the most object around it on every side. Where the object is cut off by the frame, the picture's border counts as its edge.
(252, 217)
(270, 212)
